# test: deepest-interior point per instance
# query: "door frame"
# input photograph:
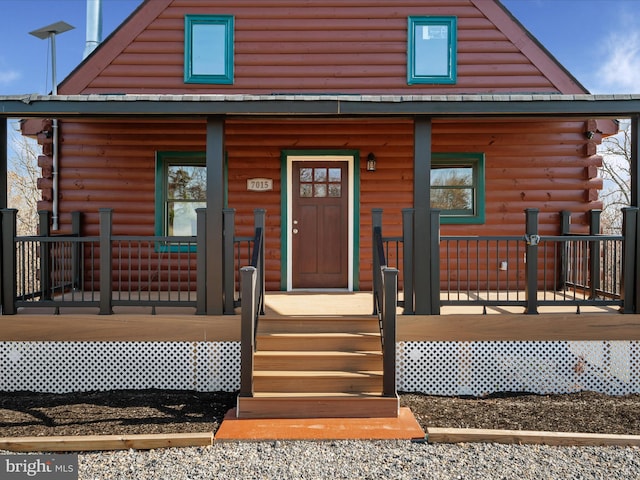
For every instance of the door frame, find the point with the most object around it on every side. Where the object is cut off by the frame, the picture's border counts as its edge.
(352, 157)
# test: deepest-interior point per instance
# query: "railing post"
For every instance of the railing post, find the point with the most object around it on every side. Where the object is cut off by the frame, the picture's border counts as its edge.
(407, 260)
(629, 232)
(44, 229)
(435, 262)
(76, 258)
(565, 229)
(248, 276)
(229, 280)
(594, 254)
(201, 261)
(106, 273)
(376, 221)
(9, 287)
(531, 267)
(259, 216)
(390, 279)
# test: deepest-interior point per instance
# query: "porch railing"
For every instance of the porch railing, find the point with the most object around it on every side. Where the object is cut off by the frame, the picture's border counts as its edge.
(531, 271)
(109, 270)
(397, 252)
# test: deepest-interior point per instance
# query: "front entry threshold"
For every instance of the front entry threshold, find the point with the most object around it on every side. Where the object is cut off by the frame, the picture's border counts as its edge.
(402, 427)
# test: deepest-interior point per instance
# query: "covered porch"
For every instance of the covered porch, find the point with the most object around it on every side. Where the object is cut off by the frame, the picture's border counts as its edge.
(205, 280)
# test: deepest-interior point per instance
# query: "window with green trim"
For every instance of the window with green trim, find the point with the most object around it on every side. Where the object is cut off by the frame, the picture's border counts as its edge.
(208, 49)
(431, 50)
(181, 187)
(457, 187)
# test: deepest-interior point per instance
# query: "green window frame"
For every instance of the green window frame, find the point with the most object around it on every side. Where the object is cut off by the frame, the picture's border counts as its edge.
(176, 201)
(432, 50)
(458, 187)
(208, 49)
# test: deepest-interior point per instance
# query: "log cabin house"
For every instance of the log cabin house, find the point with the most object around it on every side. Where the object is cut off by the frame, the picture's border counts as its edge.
(438, 137)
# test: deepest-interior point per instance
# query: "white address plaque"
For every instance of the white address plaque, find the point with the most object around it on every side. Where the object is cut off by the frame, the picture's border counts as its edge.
(260, 184)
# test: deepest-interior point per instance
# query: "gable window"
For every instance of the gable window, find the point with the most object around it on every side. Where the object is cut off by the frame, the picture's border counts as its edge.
(457, 187)
(181, 187)
(431, 50)
(208, 49)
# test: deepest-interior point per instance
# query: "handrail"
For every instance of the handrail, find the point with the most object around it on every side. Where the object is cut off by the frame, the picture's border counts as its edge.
(252, 292)
(379, 262)
(385, 302)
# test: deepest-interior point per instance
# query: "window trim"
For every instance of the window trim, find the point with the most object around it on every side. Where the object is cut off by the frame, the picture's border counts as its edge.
(477, 162)
(163, 161)
(412, 77)
(228, 22)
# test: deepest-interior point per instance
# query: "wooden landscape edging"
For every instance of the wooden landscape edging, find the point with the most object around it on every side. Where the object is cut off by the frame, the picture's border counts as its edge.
(85, 443)
(526, 437)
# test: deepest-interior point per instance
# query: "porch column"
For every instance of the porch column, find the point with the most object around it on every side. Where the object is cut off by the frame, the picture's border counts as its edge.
(4, 162)
(635, 161)
(635, 198)
(215, 204)
(4, 153)
(422, 221)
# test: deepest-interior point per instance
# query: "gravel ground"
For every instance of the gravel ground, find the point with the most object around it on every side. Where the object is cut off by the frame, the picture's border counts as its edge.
(363, 460)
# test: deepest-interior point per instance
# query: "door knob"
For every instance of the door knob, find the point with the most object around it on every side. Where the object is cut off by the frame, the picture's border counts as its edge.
(295, 231)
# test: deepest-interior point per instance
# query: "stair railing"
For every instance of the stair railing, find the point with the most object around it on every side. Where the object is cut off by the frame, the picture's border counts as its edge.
(385, 303)
(252, 306)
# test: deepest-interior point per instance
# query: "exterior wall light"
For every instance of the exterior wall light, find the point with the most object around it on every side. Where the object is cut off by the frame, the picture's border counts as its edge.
(371, 162)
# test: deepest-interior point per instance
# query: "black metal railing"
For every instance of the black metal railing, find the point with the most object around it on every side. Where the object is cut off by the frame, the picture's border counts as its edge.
(385, 304)
(526, 271)
(113, 270)
(398, 253)
(252, 308)
(242, 248)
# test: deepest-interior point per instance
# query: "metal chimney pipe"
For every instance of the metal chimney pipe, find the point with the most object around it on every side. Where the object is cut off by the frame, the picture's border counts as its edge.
(94, 26)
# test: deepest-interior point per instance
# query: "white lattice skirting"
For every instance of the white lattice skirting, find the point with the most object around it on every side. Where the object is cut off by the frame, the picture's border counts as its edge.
(436, 368)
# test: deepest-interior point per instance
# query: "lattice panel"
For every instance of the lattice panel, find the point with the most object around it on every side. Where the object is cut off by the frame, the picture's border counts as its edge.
(436, 368)
(482, 368)
(60, 367)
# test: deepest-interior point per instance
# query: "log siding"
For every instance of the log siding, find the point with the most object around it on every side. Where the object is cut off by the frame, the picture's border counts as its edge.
(111, 164)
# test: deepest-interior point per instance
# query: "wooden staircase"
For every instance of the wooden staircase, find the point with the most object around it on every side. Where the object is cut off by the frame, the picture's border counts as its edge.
(313, 367)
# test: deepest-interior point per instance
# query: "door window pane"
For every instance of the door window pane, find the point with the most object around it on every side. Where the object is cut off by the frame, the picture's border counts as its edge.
(320, 190)
(320, 175)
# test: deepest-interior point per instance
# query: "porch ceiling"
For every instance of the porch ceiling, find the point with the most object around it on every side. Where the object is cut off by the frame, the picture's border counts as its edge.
(594, 106)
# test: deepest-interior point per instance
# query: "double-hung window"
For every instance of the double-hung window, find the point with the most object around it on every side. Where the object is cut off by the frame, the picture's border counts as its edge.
(457, 187)
(431, 50)
(208, 49)
(181, 187)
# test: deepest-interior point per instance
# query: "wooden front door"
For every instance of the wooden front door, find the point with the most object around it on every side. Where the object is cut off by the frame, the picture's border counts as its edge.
(320, 224)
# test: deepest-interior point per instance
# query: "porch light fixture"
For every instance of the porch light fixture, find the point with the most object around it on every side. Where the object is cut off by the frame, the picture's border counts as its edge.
(371, 162)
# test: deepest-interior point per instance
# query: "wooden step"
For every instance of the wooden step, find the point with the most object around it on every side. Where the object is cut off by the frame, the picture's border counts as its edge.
(327, 360)
(305, 381)
(276, 405)
(314, 324)
(319, 342)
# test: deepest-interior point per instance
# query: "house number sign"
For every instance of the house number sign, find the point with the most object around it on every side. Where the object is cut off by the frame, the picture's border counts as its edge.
(260, 184)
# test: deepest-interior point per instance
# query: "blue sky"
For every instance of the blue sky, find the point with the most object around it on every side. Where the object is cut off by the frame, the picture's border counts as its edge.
(598, 41)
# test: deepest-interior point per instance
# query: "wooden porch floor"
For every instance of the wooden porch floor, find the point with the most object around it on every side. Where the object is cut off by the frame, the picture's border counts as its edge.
(454, 324)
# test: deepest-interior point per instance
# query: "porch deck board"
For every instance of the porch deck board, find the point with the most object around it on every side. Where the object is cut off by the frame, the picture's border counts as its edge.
(182, 325)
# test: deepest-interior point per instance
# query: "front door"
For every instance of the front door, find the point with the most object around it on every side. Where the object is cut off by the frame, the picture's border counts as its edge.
(320, 224)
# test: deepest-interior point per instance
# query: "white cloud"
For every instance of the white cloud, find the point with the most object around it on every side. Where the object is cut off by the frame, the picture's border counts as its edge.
(619, 70)
(7, 77)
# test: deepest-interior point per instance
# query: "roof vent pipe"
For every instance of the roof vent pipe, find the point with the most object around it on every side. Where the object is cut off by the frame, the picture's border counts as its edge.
(94, 26)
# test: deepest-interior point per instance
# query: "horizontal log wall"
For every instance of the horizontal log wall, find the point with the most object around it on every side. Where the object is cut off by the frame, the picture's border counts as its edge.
(339, 46)
(529, 163)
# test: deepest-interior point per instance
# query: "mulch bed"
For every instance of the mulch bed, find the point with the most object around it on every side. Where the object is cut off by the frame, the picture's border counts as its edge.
(162, 411)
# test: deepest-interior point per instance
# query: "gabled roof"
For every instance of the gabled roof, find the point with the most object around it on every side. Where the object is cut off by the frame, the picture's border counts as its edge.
(150, 11)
